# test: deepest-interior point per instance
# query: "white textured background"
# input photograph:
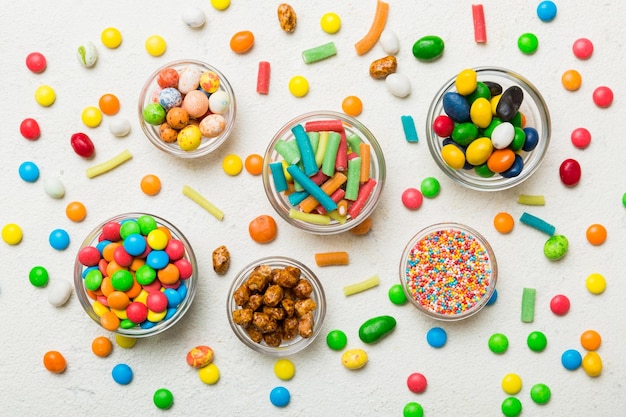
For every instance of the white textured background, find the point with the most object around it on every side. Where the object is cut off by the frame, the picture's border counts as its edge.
(464, 376)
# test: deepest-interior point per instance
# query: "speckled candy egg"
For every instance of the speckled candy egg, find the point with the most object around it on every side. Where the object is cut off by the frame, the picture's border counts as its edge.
(200, 356)
(87, 54)
(170, 98)
(189, 138)
(196, 103)
(167, 77)
(213, 125)
(219, 102)
(177, 117)
(167, 133)
(209, 81)
(189, 79)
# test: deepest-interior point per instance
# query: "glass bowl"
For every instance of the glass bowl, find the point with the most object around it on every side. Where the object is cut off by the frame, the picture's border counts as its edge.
(448, 271)
(293, 202)
(242, 301)
(115, 282)
(536, 114)
(220, 118)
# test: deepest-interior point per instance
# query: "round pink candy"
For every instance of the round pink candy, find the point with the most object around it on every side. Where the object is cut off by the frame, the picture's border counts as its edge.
(153, 286)
(36, 62)
(156, 301)
(416, 382)
(122, 257)
(603, 97)
(184, 268)
(111, 231)
(412, 198)
(559, 305)
(89, 256)
(582, 48)
(581, 138)
(175, 249)
(137, 312)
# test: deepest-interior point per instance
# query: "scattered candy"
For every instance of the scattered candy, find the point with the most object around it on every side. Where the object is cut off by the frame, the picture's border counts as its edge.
(155, 45)
(12, 234)
(354, 359)
(436, 337)
(122, 374)
(150, 184)
(493, 298)
(511, 384)
(590, 340)
(287, 17)
(87, 54)
(382, 67)
(352, 106)
(536, 341)
(570, 172)
(254, 164)
(221, 259)
(202, 202)
(83, 145)
(416, 383)
(596, 234)
(29, 128)
(408, 126)
(413, 409)
(263, 229)
(546, 11)
(36, 62)
(478, 17)
(336, 339)
(59, 291)
(220, 4)
(209, 374)
(163, 398)
(603, 97)
(536, 223)
(298, 86)
(430, 187)
(595, 283)
(330, 23)
(361, 286)
(111, 37)
(241, 42)
(498, 343)
(428, 48)
(119, 127)
(571, 359)
(540, 393)
(125, 342)
(503, 222)
(199, 356)
(109, 104)
(396, 295)
(373, 34)
(263, 78)
(531, 200)
(374, 329)
(193, 17)
(284, 369)
(555, 247)
(331, 258)
(389, 42)
(511, 407)
(528, 304)
(38, 276)
(29, 171)
(560, 305)
(582, 48)
(107, 166)
(581, 138)
(571, 80)
(54, 187)
(592, 364)
(101, 346)
(412, 198)
(398, 84)
(232, 164)
(528, 43)
(59, 239)
(45, 95)
(54, 362)
(280, 397)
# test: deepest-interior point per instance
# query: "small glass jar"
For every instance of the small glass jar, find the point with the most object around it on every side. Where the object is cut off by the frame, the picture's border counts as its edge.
(95, 301)
(448, 271)
(149, 95)
(295, 344)
(282, 201)
(535, 111)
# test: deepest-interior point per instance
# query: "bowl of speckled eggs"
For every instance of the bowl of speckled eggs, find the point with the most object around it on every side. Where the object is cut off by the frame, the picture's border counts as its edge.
(448, 271)
(324, 172)
(135, 274)
(488, 128)
(187, 108)
(276, 306)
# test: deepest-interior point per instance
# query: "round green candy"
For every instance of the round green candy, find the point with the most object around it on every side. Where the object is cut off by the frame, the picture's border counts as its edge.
(38, 276)
(336, 339)
(129, 227)
(154, 114)
(93, 280)
(146, 224)
(163, 398)
(537, 341)
(555, 247)
(498, 343)
(540, 393)
(511, 407)
(127, 324)
(122, 280)
(428, 48)
(396, 295)
(624, 200)
(145, 275)
(528, 43)
(430, 187)
(413, 409)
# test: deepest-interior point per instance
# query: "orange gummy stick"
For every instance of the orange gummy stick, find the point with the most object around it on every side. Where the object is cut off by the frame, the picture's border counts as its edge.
(331, 258)
(364, 151)
(330, 186)
(378, 25)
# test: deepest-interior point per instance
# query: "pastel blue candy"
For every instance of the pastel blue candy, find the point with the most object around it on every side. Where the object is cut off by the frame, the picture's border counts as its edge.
(59, 239)
(456, 107)
(280, 396)
(157, 259)
(408, 125)
(134, 244)
(546, 11)
(169, 98)
(436, 337)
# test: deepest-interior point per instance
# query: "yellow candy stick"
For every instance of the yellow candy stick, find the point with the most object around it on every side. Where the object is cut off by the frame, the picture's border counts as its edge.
(531, 200)
(203, 202)
(106, 166)
(361, 286)
(309, 217)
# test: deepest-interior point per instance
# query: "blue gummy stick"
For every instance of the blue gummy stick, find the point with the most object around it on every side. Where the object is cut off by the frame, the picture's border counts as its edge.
(306, 150)
(408, 125)
(297, 197)
(313, 189)
(278, 175)
(537, 223)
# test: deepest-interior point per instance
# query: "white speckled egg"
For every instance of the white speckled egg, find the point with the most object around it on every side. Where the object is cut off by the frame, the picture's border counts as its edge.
(189, 79)
(219, 102)
(193, 17)
(119, 126)
(54, 187)
(213, 125)
(59, 291)
(389, 42)
(398, 84)
(87, 54)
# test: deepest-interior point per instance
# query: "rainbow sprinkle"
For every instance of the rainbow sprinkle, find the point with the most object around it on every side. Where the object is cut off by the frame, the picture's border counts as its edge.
(448, 272)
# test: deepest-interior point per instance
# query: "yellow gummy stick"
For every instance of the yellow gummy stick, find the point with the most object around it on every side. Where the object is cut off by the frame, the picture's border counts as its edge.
(309, 217)
(106, 166)
(361, 286)
(203, 202)
(531, 200)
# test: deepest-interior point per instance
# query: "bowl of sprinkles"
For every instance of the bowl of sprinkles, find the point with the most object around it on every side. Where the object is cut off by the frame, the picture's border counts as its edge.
(448, 271)
(187, 108)
(135, 274)
(276, 306)
(488, 128)
(324, 172)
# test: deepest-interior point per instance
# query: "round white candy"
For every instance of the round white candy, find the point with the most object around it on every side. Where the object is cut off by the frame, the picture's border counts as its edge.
(398, 84)
(59, 291)
(389, 42)
(119, 126)
(54, 187)
(87, 54)
(194, 17)
(219, 102)
(502, 135)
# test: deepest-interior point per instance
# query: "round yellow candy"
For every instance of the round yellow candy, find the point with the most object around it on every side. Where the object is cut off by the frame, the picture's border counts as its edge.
(157, 239)
(512, 384)
(232, 164)
(156, 45)
(592, 364)
(91, 116)
(209, 374)
(155, 317)
(45, 95)
(111, 38)
(596, 284)
(330, 22)
(466, 82)
(284, 369)
(298, 86)
(189, 138)
(220, 4)
(12, 234)
(125, 342)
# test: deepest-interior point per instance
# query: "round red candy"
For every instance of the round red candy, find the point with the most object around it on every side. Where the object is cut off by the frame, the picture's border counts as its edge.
(121, 257)
(559, 305)
(570, 172)
(443, 126)
(36, 62)
(581, 138)
(184, 268)
(175, 249)
(111, 231)
(412, 198)
(89, 256)
(582, 48)
(603, 96)
(416, 382)
(137, 312)
(29, 128)
(156, 301)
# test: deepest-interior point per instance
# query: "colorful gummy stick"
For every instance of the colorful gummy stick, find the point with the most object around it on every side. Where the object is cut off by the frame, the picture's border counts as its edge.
(480, 31)
(203, 202)
(306, 150)
(354, 142)
(288, 150)
(329, 187)
(537, 223)
(365, 154)
(364, 194)
(408, 125)
(528, 305)
(354, 178)
(330, 154)
(263, 78)
(333, 125)
(107, 166)
(278, 175)
(341, 160)
(319, 53)
(321, 148)
(312, 188)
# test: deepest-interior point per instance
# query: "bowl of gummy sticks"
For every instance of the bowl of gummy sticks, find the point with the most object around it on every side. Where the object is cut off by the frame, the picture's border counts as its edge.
(448, 271)
(276, 306)
(488, 128)
(324, 172)
(135, 274)
(187, 108)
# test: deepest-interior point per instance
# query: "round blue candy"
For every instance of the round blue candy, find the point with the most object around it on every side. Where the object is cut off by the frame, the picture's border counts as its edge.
(546, 11)
(182, 291)
(122, 374)
(169, 98)
(134, 244)
(147, 324)
(532, 139)
(170, 313)
(173, 297)
(515, 169)
(456, 107)
(571, 359)
(29, 172)
(59, 239)
(280, 396)
(493, 298)
(436, 337)
(157, 259)
(101, 245)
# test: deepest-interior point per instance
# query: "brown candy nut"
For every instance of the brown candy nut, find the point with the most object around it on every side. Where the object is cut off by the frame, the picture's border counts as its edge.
(382, 67)
(221, 260)
(287, 17)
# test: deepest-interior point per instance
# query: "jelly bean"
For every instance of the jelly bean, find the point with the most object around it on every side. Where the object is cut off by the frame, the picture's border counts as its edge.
(500, 160)
(38, 276)
(590, 340)
(555, 247)
(540, 393)
(209, 374)
(465, 82)
(536, 341)
(119, 127)
(298, 86)
(581, 138)
(453, 156)
(603, 97)
(511, 384)
(478, 152)
(519, 139)
(330, 23)
(456, 107)
(87, 54)
(582, 48)
(412, 198)
(29, 128)
(532, 139)
(28, 171)
(528, 43)
(163, 398)
(336, 340)
(280, 396)
(122, 374)
(484, 171)
(546, 11)
(592, 364)
(511, 407)
(571, 80)
(389, 42)
(241, 42)
(428, 48)
(502, 135)
(480, 112)
(59, 291)
(413, 409)
(443, 126)
(54, 361)
(464, 133)
(571, 359)
(111, 37)
(416, 382)
(193, 17)
(59, 239)
(155, 45)
(559, 304)
(481, 91)
(82, 145)
(515, 169)
(398, 84)
(570, 172)
(354, 359)
(45, 95)
(430, 187)
(199, 356)
(436, 337)
(36, 62)
(498, 343)
(509, 103)
(284, 369)
(503, 222)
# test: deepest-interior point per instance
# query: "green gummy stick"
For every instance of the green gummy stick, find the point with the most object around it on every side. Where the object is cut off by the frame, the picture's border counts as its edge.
(354, 175)
(288, 150)
(354, 141)
(319, 53)
(314, 139)
(328, 164)
(528, 305)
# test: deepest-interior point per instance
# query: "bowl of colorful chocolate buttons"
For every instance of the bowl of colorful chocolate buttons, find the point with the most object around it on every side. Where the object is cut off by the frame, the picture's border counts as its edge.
(135, 274)
(324, 172)
(448, 271)
(488, 129)
(276, 306)
(187, 108)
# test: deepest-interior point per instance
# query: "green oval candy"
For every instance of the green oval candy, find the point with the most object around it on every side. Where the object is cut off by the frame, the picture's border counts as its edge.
(428, 48)
(464, 133)
(375, 328)
(555, 247)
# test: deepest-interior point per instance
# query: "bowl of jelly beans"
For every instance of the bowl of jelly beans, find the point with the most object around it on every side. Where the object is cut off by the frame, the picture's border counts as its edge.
(276, 306)
(448, 271)
(135, 274)
(187, 108)
(488, 129)
(324, 172)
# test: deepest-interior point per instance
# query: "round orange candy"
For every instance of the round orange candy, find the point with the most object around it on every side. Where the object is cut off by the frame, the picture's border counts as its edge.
(571, 80)
(150, 184)
(590, 340)
(109, 104)
(596, 234)
(118, 300)
(263, 229)
(500, 160)
(352, 106)
(54, 362)
(76, 211)
(362, 228)
(101, 346)
(110, 321)
(503, 222)
(254, 164)
(241, 42)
